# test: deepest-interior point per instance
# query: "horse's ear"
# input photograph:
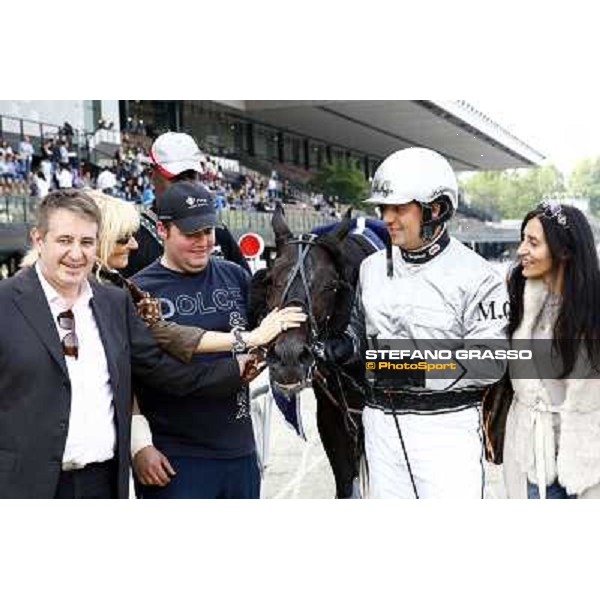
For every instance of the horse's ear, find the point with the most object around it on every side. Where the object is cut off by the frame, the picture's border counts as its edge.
(342, 230)
(280, 227)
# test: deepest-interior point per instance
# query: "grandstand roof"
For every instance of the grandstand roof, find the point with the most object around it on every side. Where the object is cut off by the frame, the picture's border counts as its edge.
(467, 137)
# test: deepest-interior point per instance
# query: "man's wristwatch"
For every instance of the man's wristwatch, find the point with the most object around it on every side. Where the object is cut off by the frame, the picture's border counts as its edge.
(239, 346)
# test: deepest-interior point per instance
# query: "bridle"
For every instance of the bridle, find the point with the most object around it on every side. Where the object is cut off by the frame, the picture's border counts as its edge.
(304, 243)
(317, 337)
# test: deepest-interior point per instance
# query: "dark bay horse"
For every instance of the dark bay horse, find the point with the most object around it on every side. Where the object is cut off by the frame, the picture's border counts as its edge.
(319, 274)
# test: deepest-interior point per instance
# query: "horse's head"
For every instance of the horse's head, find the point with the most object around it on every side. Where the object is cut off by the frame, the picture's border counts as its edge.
(308, 272)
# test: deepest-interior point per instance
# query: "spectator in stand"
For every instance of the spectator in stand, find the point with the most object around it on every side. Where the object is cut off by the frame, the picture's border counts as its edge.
(76, 172)
(148, 196)
(63, 152)
(132, 191)
(3, 169)
(209, 173)
(272, 186)
(41, 184)
(68, 132)
(10, 168)
(220, 202)
(26, 152)
(55, 155)
(20, 168)
(5, 148)
(48, 150)
(106, 181)
(46, 164)
(85, 177)
(64, 177)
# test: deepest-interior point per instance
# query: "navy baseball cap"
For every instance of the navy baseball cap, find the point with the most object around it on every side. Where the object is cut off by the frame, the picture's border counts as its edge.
(189, 205)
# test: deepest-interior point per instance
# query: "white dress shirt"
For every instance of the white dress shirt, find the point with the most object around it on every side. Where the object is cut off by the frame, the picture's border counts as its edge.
(65, 179)
(92, 435)
(106, 180)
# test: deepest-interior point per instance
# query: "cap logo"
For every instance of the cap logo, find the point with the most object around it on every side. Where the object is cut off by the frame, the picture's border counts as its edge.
(384, 188)
(195, 202)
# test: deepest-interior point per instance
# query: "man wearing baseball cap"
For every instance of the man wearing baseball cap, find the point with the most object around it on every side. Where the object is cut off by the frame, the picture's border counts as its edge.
(174, 157)
(189, 205)
(172, 154)
(209, 444)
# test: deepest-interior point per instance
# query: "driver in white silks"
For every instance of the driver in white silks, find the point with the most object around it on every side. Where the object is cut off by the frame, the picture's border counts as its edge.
(423, 434)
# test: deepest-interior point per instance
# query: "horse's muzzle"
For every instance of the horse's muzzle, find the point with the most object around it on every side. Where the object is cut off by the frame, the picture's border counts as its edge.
(290, 362)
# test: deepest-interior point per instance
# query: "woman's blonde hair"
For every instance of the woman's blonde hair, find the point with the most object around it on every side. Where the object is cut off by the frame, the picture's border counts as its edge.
(119, 220)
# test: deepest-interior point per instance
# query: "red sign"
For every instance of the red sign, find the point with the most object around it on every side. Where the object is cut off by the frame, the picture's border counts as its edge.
(251, 245)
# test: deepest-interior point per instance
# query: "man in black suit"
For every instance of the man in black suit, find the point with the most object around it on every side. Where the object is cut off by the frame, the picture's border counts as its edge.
(68, 349)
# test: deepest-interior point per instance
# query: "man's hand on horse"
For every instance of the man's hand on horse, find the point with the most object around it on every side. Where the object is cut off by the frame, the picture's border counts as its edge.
(277, 321)
(152, 467)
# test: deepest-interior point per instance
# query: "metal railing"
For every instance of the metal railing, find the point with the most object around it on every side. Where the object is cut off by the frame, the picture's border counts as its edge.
(21, 210)
(13, 129)
(18, 209)
(299, 221)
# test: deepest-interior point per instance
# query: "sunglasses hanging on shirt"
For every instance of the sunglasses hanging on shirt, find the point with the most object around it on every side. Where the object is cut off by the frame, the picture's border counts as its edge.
(69, 342)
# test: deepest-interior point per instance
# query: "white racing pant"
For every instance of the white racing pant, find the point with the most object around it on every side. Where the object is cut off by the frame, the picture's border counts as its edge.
(445, 452)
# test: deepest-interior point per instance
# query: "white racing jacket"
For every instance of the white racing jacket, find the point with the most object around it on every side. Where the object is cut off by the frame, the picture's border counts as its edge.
(450, 295)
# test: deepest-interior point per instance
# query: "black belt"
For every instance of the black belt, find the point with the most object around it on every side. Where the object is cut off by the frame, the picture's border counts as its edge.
(93, 480)
(404, 401)
(75, 467)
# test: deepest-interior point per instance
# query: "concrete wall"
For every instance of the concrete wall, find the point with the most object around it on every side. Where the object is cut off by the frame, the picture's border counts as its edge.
(110, 112)
(55, 112)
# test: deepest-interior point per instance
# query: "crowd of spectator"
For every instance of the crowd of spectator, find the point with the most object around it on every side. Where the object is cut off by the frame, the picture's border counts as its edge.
(127, 175)
(24, 172)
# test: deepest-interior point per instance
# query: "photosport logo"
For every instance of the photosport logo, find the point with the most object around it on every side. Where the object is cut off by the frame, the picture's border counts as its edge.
(483, 359)
(382, 358)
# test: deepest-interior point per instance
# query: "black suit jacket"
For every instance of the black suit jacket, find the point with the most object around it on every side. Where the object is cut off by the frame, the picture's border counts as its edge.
(35, 390)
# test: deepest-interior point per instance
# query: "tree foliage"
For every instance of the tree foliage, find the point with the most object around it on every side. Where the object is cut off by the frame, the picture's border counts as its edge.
(585, 181)
(342, 179)
(511, 194)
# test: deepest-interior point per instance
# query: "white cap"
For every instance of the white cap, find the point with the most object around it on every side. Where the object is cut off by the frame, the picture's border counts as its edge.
(173, 153)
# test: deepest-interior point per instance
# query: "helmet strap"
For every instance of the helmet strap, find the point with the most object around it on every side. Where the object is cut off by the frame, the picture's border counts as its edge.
(429, 223)
(388, 258)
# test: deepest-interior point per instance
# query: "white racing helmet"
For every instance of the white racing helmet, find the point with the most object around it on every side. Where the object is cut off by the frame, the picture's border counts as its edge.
(414, 174)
